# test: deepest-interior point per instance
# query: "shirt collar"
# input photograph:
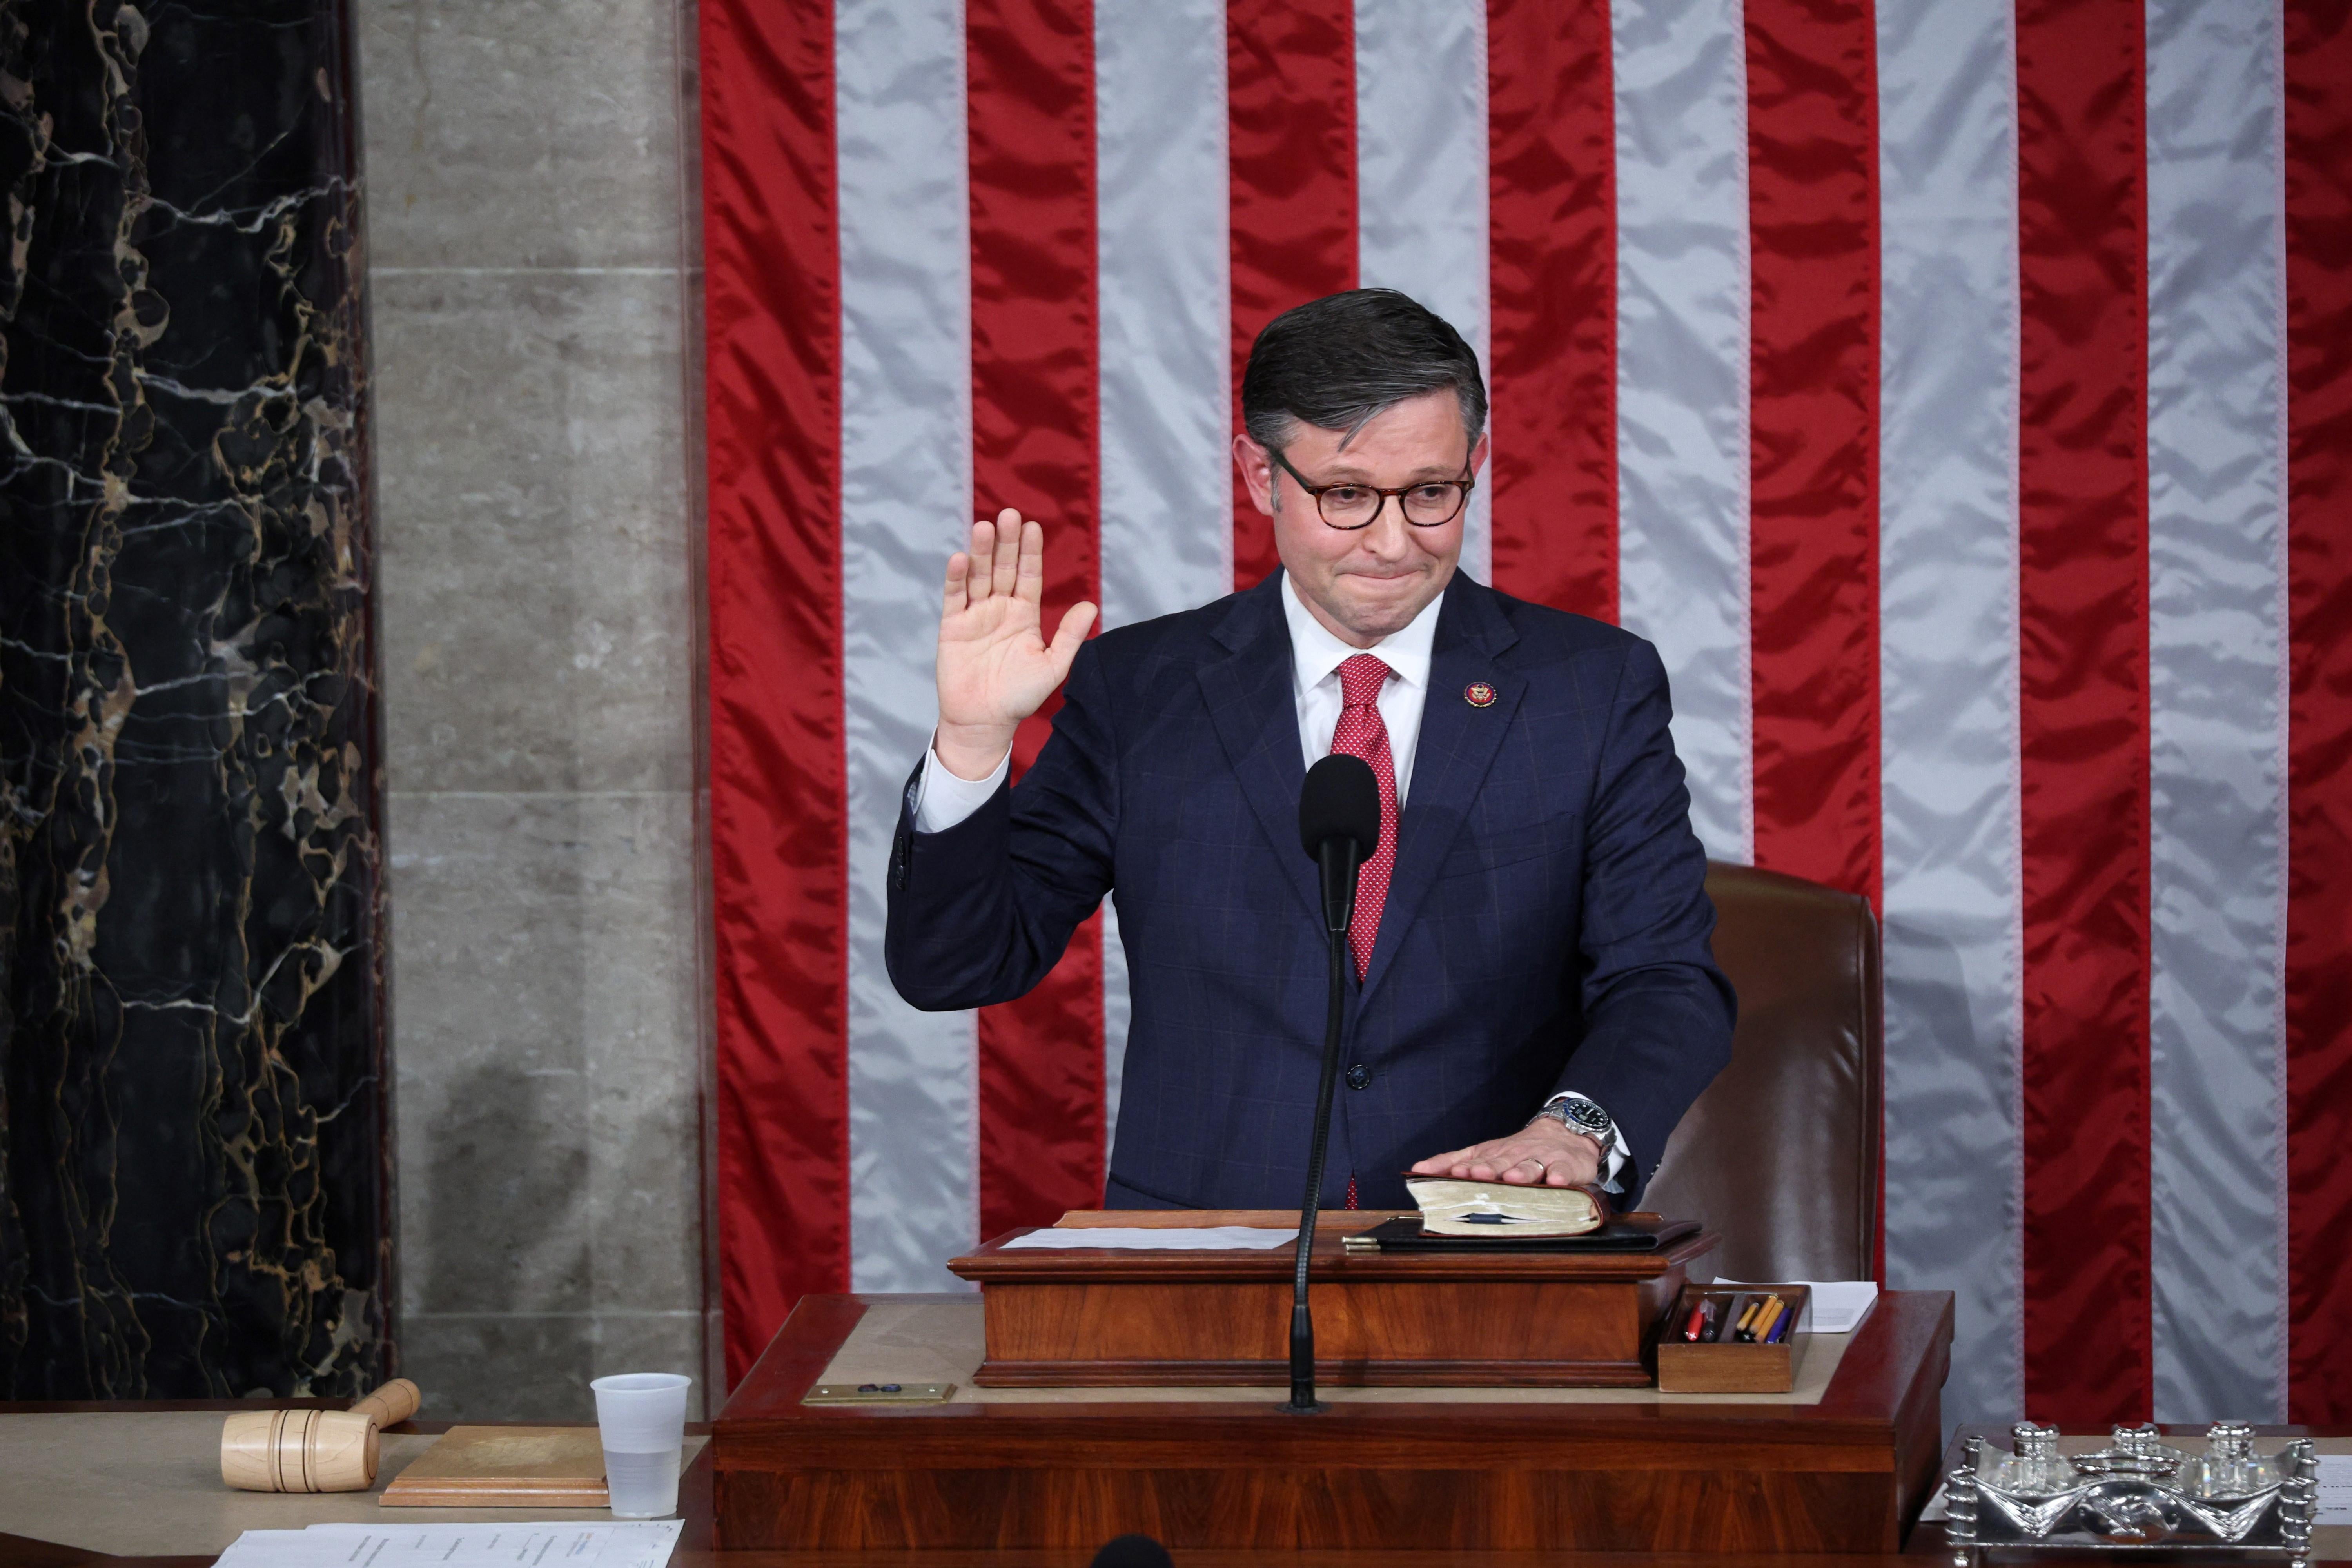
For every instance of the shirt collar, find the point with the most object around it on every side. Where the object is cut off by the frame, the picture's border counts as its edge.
(1315, 655)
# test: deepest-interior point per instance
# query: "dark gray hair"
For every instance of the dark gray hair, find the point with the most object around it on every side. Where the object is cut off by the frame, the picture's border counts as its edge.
(1336, 362)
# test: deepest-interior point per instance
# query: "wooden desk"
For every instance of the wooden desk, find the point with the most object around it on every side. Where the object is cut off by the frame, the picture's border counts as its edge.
(1420, 1470)
(103, 1481)
(195, 1549)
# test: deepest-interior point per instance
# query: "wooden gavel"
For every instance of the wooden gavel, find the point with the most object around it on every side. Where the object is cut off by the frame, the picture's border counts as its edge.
(312, 1450)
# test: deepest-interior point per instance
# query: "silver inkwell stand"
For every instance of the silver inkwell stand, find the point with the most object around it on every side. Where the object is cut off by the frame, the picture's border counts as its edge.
(2137, 1496)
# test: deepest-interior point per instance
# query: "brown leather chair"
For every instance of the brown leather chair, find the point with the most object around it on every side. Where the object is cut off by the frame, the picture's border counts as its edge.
(1781, 1153)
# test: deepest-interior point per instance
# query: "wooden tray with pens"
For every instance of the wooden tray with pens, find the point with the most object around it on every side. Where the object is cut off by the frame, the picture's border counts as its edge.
(1732, 1339)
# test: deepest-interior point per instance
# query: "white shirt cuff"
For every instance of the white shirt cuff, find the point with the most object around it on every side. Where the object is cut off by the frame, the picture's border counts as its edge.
(942, 800)
(1615, 1157)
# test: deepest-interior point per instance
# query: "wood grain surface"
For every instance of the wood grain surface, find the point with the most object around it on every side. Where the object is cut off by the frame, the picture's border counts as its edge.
(1844, 1475)
(505, 1466)
(1096, 1316)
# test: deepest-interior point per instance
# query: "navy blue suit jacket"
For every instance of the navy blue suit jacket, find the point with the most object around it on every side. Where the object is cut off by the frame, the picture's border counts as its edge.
(1547, 924)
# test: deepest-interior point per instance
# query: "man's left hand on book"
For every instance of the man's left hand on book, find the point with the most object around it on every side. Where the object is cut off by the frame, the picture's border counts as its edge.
(1541, 1154)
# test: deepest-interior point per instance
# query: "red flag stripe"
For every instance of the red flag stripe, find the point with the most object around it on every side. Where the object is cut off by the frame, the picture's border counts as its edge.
(1034, 432)
(1291, 101)
(779, 862)
(2084, 716)
(2319, 760)
(1813, 142)
(1552, 248)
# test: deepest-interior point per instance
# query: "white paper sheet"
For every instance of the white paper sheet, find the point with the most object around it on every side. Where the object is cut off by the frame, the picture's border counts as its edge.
(2335, 1489)
(1182, 1238)
(523, 1543)
(1837, 1305)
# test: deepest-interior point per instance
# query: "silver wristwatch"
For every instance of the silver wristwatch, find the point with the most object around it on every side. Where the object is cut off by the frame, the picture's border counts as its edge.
(1582, 1115)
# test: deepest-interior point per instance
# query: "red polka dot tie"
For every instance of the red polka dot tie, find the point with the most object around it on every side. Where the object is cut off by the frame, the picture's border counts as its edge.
(1360, 733)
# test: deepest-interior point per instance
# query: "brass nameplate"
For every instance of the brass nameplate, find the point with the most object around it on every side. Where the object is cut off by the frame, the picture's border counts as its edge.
(879, 1394)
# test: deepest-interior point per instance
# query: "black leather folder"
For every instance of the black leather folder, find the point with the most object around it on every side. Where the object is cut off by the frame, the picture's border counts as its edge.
(1625, 1233)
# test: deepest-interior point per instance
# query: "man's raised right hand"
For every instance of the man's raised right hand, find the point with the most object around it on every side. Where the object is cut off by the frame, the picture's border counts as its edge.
(995, 666)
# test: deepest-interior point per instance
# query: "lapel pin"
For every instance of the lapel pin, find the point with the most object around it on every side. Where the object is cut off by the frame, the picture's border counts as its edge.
(1478, 694)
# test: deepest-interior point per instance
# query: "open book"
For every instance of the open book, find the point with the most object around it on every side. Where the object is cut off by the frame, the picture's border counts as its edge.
(1450, 1206)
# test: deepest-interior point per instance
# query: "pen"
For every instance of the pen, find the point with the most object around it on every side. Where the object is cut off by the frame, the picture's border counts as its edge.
(1780, 1329)
(1773, 1309)
(1697, 1324)
(1728, 1327)
(1739, 1329)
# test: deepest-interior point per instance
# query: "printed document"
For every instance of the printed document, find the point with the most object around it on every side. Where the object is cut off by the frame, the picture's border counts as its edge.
(587, 1543)
(1186, 1238)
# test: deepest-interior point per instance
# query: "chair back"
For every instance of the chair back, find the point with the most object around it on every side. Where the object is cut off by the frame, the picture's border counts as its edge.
(1781, 1153)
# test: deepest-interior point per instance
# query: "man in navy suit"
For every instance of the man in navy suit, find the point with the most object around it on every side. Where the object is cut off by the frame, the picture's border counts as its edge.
(1533, 998)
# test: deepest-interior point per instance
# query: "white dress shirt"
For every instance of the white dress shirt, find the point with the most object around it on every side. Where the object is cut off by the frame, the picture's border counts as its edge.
(1316, 657)
(943, 800)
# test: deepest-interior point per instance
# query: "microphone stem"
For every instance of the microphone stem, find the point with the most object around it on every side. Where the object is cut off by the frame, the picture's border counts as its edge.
(1338, 913)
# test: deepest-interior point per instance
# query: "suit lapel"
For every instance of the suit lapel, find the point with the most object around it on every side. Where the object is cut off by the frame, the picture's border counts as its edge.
(1458, 744)
(1256, 718)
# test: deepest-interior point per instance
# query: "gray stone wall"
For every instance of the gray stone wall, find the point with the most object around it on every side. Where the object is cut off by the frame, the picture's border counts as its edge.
(536, 613)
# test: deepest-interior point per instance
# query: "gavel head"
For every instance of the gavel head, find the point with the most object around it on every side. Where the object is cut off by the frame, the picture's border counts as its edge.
(300, 1451)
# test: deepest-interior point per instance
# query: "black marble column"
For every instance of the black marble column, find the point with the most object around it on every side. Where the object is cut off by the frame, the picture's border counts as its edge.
(194, 1197)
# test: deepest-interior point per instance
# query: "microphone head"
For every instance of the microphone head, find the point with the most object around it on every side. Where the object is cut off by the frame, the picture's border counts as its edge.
(1340, 800)
(1133, 1552)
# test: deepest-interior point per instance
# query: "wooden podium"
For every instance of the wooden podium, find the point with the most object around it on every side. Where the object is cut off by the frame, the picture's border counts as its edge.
(1089, 1317)
(1024, 1460)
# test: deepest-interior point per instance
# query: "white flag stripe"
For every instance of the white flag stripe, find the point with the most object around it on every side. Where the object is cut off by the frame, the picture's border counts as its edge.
(1160, 215)
(1948, 679)
(1682, 384)
(2216, 560)
(906, 462)
(1166, 536)
(1421, 176)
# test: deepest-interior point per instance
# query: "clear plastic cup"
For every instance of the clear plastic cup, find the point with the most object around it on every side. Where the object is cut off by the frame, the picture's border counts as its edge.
(641, 1418)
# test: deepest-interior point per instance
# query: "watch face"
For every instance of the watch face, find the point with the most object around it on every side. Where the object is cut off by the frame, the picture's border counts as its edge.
(1586, 1116)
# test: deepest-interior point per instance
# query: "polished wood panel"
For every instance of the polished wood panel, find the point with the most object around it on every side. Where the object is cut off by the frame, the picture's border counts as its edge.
(1845, 1475)
(23, 1552)
(1538, 1333)
(1081, 1316)
(1270, 1509)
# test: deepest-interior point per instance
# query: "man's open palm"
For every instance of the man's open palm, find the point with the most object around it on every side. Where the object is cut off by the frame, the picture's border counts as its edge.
(995, 666)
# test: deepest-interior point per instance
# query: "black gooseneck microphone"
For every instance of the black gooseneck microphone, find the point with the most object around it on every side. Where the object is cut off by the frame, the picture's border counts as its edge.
(1339, 824)
(1133, 1552)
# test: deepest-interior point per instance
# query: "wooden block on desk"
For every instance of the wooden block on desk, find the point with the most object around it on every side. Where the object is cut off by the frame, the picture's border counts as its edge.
(505, 1466)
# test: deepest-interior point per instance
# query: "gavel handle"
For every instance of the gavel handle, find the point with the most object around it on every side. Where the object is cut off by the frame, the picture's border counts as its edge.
(394, 1403)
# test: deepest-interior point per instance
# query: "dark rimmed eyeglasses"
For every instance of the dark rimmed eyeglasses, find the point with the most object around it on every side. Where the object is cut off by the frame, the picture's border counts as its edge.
(1350, 505)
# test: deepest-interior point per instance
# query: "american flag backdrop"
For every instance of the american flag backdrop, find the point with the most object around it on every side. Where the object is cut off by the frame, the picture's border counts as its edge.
(1959, 392)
